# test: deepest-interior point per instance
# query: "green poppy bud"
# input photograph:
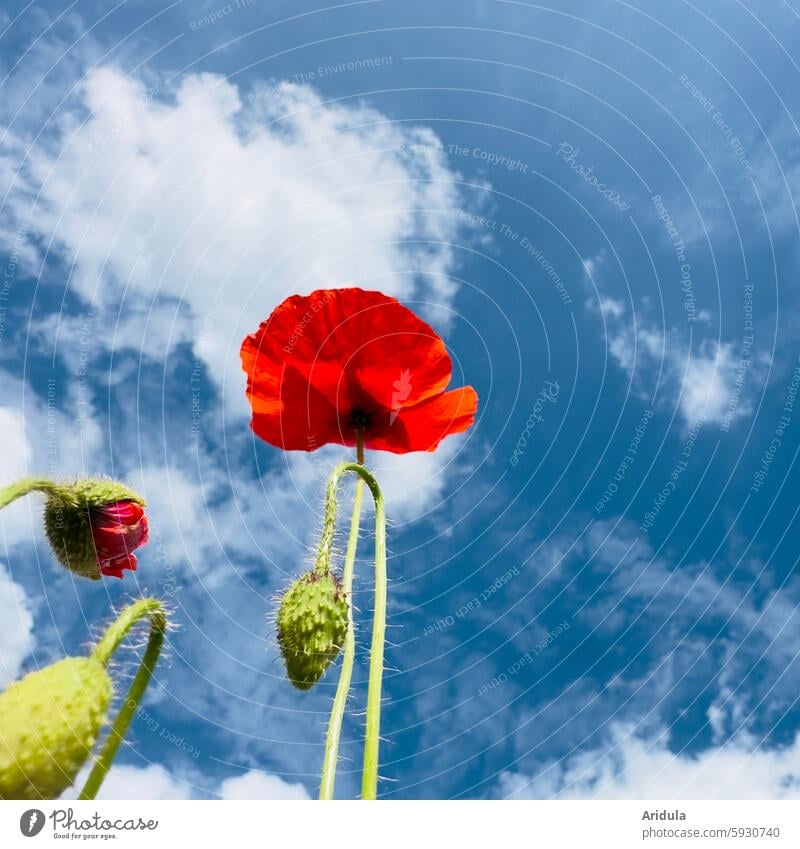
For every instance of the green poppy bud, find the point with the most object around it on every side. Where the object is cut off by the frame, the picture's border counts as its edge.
(312, 625)
(94, 526)
(49, 723)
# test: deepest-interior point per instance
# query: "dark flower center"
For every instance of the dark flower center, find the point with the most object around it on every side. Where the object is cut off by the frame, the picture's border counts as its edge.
(360, 419)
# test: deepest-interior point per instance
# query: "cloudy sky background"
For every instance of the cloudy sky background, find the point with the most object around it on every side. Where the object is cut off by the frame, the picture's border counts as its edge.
(595, 591)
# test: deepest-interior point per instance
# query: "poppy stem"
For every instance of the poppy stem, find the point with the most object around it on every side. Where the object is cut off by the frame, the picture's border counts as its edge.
(23, 487)
(331, 756)
(371, 746)
(360, 446)
(154, 610)
(343, 687)
(369, 778)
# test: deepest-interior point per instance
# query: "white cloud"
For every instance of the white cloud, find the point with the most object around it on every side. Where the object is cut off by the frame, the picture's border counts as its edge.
(706, 383)
(202, 210)
(626, 342)
(204, 207)
(16, 635)
(155, 782)
(616, 548)
(206, 521)
(412, 484)
(631, 767)
(218, 207)
(41, 439)
(612, 307)
(260, 785)
(15, 460)
(682, 603)
(150, 782)
(710, 382)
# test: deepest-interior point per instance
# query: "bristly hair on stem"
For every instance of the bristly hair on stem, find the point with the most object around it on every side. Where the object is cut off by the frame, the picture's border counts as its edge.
(370, 776)
(153, 610)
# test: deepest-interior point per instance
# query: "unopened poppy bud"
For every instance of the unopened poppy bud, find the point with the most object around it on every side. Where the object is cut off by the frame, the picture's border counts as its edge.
(94, 526)
(312, 625)
(50, 721)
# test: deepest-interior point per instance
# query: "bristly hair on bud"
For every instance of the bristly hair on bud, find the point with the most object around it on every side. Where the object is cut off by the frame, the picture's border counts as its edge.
(312, 625)
(50, 721)
(94, 526)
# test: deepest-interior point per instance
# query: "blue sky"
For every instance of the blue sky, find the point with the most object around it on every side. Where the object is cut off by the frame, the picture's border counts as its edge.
(594, 592)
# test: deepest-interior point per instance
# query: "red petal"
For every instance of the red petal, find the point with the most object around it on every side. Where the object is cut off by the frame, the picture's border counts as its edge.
(117, 530)
(293, 415)
(423, 426)
(321, 358)
(354, 346)
(116, 568)
(118, 513)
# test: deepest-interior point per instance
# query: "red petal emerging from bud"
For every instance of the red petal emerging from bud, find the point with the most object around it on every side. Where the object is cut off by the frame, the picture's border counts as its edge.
(117, 530)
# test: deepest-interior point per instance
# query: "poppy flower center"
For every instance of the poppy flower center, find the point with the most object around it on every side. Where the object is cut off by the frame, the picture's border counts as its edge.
(360, 419)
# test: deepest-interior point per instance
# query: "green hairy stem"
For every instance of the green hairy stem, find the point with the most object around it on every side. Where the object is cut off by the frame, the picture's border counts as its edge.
(23, 487)
(146, 608)
(371, 747)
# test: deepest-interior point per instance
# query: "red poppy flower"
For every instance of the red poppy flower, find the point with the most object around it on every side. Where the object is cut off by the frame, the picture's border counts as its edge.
(117, 529)
(326, 366)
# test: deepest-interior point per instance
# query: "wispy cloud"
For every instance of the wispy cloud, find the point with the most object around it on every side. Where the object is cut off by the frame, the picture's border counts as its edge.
(154, 781)
(632, 766)
(708, 380)
(204, 208)
(17, 639)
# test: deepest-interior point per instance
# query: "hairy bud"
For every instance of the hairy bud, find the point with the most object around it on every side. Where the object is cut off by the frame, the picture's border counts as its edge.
(94, 526)
(312, 625)
(50, 721)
